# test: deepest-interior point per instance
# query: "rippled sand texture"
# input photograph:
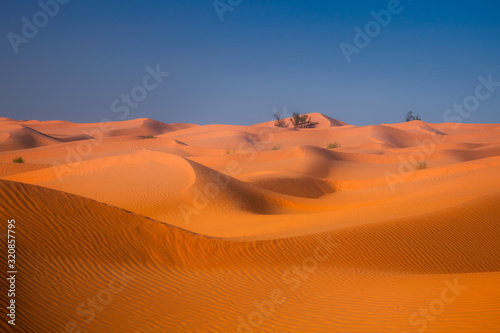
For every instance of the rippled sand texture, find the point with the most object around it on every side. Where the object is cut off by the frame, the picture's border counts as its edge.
(141, 226)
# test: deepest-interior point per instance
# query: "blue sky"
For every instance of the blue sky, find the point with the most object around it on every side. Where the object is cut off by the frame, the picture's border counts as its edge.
(263, 55)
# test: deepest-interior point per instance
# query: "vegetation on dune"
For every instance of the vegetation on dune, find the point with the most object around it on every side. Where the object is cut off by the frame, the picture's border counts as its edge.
(333, 145)
(279, 122)
(300, 121)
(410, 116)
(297, 120)
(18, 160)
(276, 148)
(421, 165)
(150, 136)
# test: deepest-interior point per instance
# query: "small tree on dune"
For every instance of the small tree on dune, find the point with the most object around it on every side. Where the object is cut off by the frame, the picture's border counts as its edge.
(410, 116)
(299, 121)
(280, 122)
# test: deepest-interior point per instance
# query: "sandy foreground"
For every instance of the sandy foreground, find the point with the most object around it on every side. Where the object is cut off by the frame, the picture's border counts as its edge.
(141, 226)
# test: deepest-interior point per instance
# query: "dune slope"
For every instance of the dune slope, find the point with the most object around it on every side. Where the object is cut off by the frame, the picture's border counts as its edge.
(72, 247)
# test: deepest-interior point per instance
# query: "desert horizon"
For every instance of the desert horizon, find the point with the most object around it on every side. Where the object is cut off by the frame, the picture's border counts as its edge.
(143, 226)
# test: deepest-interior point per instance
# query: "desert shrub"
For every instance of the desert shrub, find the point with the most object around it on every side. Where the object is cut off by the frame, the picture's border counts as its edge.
(229, 151)
(279, 122)
(300, 121)
(150, 136)
(421, 165)
(18, 160)
(276, 148)
(333, 145)
(410, 116)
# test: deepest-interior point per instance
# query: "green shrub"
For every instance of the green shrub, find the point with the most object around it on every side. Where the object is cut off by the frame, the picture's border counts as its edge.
(229, 151)
(301, 121)
(276, 148)
(421, 165)
(150, 136)
(333, 145)
(18, 160)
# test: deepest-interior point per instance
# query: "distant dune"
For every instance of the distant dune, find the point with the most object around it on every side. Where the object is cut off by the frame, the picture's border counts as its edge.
(221, 228)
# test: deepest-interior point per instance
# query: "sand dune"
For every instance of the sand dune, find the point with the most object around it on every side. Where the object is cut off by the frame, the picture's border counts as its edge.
(223, 228)
(22, 137)
(144, 127)
(9, 169)
(17, 135)
(215, 282)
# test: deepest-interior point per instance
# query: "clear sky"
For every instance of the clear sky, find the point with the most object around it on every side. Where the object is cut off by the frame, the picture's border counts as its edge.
(264, 54)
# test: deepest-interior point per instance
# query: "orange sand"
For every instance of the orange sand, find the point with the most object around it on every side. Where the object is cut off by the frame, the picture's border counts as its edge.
(253, 228)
